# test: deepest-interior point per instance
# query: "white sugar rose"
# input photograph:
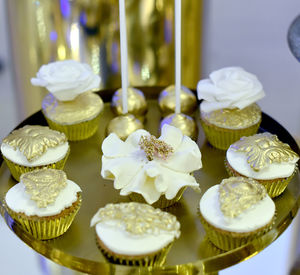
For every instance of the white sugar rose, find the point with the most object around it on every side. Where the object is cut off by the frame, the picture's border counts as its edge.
(164, 173)
(230, 87)
(66, 79)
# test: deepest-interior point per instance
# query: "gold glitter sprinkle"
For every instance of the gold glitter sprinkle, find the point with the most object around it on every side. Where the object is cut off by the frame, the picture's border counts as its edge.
(44, 185)
(236, 194)
(234, 118)
(263, 150)
(33, 141)
(139, 218)
(154, 147)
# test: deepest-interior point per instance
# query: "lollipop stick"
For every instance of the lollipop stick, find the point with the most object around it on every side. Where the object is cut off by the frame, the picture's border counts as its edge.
(177, 54)
(124, 66)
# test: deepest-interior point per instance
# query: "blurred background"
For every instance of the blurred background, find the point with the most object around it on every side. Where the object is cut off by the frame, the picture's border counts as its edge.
(215, 34)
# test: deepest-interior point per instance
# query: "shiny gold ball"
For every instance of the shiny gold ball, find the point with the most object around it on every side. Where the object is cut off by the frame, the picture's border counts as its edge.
(124, 125)
(167, 101)
(185, 123)
(137, 104)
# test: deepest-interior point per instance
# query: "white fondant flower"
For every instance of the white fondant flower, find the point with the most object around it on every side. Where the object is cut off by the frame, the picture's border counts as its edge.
(230, 87)
(66, 79)
(127, 164)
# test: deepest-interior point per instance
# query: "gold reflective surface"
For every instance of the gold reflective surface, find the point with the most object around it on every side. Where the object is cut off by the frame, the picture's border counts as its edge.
(192, 253)
(43, 31)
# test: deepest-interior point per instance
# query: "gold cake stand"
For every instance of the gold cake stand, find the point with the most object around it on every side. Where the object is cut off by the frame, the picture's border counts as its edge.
(192, 253)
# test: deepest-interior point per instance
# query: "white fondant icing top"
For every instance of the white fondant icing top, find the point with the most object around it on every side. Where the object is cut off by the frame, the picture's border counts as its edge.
(251, 219)
(50, 156)
(238, 161)
(124, 243)
(19, 201)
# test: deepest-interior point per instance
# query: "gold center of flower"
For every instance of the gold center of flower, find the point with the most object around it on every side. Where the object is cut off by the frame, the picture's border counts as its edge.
(154, 147)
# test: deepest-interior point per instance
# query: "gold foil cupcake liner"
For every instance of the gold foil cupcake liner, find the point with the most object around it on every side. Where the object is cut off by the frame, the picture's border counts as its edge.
(162, 202)
(227, 240)
(222, 138)
(76, 131)
(274, 187)
(155, 259)
(45, 228)
(17, 170)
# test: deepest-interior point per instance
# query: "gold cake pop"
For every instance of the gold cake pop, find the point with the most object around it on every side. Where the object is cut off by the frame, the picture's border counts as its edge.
(124, 125)
(167, 101)
(183, 122)
(137, 104)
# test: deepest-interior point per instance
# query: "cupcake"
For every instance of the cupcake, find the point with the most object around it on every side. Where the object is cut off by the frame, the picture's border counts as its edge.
(34, 147)
(265, 158)
(44, 203)
(236, 212)
(151, 170)
(70, 107)
(135, 233)
(228, 110)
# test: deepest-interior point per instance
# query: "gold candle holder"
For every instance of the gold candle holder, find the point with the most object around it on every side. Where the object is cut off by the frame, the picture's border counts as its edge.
(183, 122)
(137, 104)
(124, 125)
(167, 101)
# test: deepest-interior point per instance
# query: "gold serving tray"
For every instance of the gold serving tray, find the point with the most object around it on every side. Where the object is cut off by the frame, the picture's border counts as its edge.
(192, 253)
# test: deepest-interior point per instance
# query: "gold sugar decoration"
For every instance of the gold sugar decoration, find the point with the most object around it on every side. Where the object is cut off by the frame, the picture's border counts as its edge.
(33, 140)
(44, 185)
(234, 118)
(139, 218)
(263, 150)
(237, 194)
(154, 147)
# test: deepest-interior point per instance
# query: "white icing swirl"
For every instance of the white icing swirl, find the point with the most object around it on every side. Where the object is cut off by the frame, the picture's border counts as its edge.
(126, 163)
(66, 79)
(251, 219)
(18, 200)
(230, 87)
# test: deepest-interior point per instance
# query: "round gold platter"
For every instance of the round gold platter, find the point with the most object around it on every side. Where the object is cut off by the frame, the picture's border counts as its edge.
(192, 253)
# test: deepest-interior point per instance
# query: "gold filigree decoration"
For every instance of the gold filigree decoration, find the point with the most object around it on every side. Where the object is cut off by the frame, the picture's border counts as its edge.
(85, 106)
(139, 219)
(237, 194)
(154, 147)
(44, 185)
(234, 118)
(263, 150)
(33, 141)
